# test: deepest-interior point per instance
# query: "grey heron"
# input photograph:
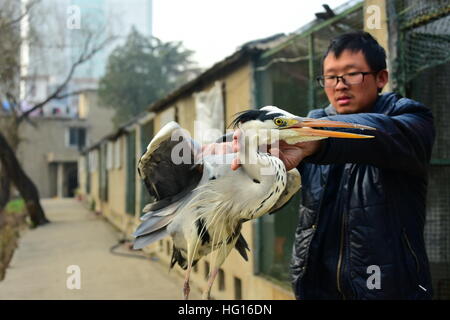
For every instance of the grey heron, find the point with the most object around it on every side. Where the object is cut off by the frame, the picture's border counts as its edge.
(202, 204)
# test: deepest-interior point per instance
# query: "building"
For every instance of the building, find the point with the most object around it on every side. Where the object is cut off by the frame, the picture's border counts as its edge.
(50, 145)
(59, 29)
(281, 71)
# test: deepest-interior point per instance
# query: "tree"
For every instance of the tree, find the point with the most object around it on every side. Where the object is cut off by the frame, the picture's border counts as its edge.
(142, 71)
(11, 16)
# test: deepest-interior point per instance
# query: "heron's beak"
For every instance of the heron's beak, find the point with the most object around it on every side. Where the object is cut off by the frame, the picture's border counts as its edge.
(303, 126)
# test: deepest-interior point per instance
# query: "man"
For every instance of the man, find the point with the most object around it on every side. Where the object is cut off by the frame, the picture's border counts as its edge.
(361, 222)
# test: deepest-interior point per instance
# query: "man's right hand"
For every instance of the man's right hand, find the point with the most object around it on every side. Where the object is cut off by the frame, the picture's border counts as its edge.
(293, 154)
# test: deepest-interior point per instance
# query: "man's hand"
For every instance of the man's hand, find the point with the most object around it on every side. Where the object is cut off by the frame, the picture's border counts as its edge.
(216, 148)
(290, 154)
(293, 154)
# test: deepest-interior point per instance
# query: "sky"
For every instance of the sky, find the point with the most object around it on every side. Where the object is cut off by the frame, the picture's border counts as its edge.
(215, 28)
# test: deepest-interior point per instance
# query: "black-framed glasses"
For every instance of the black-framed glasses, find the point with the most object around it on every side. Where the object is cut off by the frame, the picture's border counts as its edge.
(348, 78)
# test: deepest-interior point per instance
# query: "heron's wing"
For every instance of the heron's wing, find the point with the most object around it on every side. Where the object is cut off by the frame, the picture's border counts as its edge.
(168, 166)
(293, 184)
(170, 174)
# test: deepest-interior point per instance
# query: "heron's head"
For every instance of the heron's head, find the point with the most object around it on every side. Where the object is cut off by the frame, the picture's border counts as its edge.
(270, 124)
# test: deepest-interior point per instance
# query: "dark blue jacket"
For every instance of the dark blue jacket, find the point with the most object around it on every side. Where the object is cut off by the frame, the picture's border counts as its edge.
(363, 208)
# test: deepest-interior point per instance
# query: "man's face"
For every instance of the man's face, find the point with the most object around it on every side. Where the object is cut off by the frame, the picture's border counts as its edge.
(352, 98)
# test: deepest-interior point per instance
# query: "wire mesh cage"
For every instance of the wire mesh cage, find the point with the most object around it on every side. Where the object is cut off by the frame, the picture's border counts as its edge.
(423, 73)
(419, 38)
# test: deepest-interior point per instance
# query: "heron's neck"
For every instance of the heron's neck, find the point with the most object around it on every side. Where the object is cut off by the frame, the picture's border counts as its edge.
(251, 162)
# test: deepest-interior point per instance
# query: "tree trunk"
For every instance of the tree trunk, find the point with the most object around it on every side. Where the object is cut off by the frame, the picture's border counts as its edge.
(22, 182)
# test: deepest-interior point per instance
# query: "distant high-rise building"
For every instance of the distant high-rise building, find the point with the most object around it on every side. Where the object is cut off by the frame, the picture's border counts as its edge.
(59, 42)
(115, 17)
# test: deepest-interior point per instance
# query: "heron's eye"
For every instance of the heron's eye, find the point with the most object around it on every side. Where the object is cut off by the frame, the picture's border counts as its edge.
(279, 122)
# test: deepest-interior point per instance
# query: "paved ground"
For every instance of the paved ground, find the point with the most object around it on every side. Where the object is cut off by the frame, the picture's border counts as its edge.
(38, 269)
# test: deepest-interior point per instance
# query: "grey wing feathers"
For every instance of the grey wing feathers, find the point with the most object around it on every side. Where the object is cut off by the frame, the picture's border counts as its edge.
(293, 184)
(168, 210)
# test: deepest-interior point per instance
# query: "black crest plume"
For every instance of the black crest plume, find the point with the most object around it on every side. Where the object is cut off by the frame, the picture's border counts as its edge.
(255, 114)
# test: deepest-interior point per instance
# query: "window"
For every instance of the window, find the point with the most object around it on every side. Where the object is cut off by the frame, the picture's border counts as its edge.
(206, 270)
(209, 114)
(168, 247)
(237, 289)
(221, 280)
(77, 137)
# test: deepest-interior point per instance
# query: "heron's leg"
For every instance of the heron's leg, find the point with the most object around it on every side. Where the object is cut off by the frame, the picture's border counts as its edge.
(186, 288)
(190, 259)
(222, 255)
(212, 277)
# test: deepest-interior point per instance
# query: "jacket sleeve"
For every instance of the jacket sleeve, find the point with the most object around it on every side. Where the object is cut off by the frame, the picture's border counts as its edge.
(403, 140)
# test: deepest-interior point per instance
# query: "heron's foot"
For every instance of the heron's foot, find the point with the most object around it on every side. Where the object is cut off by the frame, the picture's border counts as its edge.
(186, 290)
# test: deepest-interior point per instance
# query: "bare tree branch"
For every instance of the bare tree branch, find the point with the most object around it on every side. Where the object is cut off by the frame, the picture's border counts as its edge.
(12, 22)
(82, 58)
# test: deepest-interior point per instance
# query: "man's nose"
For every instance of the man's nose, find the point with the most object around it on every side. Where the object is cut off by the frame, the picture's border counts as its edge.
(341, 85)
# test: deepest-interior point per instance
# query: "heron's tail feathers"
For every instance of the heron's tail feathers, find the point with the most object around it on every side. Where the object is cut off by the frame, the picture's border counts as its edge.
(151, 230)
(143, 241)
(241, 246)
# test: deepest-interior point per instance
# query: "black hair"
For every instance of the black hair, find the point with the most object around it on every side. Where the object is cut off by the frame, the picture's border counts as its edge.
(359, 41)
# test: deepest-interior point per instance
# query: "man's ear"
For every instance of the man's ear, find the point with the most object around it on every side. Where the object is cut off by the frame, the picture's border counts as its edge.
(382, 79)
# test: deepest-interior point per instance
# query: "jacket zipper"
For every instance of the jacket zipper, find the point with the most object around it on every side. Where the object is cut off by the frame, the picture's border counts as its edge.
(341, 250)
(411, 250)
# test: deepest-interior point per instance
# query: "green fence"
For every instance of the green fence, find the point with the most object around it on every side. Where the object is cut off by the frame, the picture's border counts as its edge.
(419, 49)
(103, 173)
(131, 173)
(421, 44)
(146, 137)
